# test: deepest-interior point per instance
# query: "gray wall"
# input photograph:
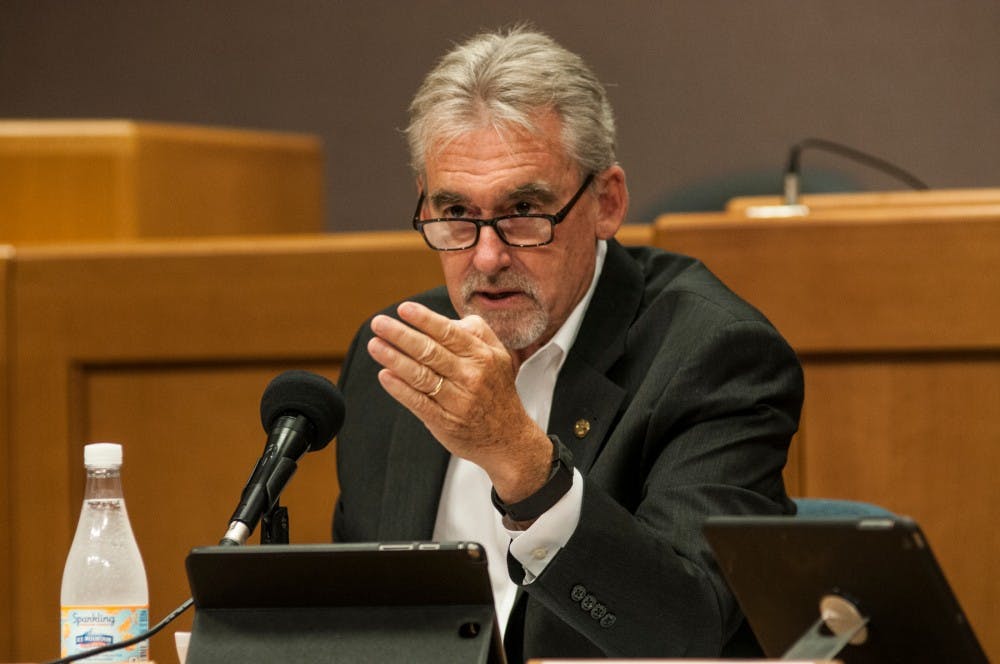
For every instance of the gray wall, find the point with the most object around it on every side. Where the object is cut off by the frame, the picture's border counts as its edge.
(704, 90)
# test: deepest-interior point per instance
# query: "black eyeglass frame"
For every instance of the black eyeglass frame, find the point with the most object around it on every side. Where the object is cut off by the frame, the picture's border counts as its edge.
(554, 219)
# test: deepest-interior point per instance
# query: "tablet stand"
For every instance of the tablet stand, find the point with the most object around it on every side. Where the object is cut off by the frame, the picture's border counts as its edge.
(345, 635)
(414, 602)
(839, 623)
(274, 525)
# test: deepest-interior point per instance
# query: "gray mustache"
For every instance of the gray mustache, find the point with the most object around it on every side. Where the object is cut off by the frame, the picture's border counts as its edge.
(503, 281)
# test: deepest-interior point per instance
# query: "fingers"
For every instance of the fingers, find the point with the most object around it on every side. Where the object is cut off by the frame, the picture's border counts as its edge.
(436, 366)
(418, 352)
(460, 337)
(414, 373)
(431, 339)
(459, 380)
(416, 401)
(478, 328)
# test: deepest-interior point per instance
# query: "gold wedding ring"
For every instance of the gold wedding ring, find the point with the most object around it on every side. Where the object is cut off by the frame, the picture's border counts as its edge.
(437, 388)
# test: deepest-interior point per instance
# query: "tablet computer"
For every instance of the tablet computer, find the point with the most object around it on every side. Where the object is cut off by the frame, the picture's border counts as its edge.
(408, 601)
(781, 569)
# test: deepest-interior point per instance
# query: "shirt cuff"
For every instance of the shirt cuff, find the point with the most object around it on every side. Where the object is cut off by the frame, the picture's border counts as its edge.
(535, 547)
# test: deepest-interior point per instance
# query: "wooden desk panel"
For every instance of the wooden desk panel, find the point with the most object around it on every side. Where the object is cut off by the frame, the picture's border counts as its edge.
(917, 434)
(63, 180)
(6, 407)
(191, 435)
(878, 200)
(167, 347)
(895, 314)
(839, 281)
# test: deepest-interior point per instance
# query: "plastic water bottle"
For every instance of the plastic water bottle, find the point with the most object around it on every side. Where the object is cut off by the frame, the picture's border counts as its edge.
(104, 596)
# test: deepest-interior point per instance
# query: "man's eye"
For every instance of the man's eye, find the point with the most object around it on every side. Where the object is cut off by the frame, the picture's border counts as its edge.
(524, 207)
(454, 211)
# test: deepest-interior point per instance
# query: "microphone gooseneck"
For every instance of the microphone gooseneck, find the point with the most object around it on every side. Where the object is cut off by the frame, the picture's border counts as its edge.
(792, 170)
(301, 412)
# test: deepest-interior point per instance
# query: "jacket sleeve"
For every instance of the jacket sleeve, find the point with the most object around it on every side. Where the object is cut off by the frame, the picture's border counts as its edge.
(706, 433)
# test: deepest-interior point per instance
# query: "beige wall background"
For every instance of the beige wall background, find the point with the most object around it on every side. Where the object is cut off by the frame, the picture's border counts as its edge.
(705, 91)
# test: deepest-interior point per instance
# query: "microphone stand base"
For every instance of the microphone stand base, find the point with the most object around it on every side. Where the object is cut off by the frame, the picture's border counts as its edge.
(274, 526)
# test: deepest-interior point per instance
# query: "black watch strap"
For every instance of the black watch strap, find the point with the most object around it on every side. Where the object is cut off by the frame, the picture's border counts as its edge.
(559, 482)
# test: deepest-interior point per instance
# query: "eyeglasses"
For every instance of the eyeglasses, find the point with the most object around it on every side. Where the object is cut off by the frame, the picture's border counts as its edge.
(515, 230)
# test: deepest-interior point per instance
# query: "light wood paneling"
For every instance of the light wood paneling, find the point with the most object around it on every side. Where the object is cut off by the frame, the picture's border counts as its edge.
(894, 309)
(182, 481)
(6, 533)
(879, 200)
(917, 434)
(118, 179)
(887, 279)
(635, 234)
(167, 347)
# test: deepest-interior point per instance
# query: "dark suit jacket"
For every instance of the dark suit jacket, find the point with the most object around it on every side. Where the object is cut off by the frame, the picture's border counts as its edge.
(692, 398)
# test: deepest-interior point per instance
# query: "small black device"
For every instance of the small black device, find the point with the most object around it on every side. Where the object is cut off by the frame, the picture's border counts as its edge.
(865, 590)
(405, 602)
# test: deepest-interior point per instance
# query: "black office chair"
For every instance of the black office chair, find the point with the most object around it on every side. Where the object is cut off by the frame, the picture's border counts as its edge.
(833, 508)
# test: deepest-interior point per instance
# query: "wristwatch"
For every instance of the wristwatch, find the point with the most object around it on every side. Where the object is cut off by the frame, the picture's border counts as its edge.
(559, 482)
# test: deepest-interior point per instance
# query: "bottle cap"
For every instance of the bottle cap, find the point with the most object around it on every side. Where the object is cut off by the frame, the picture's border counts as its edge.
(102, 455)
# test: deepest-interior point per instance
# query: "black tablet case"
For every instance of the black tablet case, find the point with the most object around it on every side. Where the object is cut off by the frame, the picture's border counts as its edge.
(780, 567)
(412, 602)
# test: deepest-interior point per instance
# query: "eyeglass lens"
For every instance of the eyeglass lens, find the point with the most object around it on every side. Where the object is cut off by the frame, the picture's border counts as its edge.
(517, 231)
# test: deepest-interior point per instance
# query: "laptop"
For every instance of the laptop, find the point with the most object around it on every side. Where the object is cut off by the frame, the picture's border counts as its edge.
(782, 568)
(407, 601)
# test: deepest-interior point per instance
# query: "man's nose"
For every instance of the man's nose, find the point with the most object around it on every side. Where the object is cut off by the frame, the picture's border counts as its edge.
(491, 253)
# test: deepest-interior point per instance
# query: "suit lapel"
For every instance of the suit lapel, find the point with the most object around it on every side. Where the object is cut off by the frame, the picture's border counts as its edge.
(414, 475)
(586, 402)
(587, 405)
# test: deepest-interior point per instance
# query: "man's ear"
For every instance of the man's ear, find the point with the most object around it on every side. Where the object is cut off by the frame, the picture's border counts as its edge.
(612, 196)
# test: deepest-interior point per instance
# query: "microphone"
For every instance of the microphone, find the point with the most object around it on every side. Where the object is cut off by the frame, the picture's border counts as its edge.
(792, 171)
(791, 188)
(301, 412)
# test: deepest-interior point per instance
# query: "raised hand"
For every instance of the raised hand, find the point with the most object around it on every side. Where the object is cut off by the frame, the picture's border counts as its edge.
(459, 380)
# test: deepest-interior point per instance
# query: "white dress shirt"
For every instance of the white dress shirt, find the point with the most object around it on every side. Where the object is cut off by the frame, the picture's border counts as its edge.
(465, 512)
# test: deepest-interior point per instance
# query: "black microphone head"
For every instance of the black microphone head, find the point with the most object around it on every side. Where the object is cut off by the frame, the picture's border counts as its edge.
(304, 393)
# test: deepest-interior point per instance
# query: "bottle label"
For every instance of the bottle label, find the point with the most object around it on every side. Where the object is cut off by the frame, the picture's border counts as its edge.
(88, 627)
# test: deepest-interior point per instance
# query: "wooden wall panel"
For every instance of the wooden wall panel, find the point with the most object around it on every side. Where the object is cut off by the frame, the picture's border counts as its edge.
(916, 434)
(897, 321)
(191, 435)
(71, 180)
(851, 281)
(167, 348)
(894, 309)
(6, 534)
(877, 200)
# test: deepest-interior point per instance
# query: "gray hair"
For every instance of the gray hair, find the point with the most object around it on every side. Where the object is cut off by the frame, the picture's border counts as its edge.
(504, 80)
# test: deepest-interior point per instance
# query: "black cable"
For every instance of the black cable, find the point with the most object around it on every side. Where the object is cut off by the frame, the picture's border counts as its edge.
(125, 644)
(851, 153)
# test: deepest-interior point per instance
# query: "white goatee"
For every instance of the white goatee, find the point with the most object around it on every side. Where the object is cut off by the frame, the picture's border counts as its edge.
(515, 329)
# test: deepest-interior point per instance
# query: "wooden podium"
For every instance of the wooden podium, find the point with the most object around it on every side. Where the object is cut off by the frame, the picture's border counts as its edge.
(892, 302)
(167, 346)
(120, 179)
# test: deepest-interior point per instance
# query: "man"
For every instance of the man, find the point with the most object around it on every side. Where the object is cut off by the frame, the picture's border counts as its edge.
(675, 399)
